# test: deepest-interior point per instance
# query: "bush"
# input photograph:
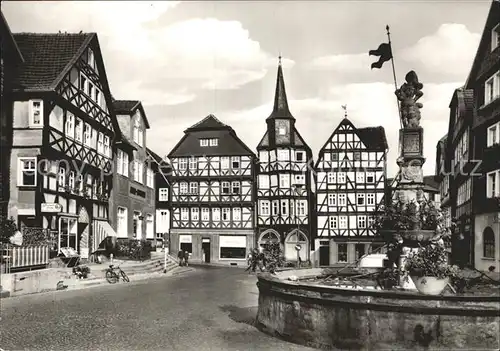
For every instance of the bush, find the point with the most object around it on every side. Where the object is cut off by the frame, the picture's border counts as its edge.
(7, 229)
(132, 249)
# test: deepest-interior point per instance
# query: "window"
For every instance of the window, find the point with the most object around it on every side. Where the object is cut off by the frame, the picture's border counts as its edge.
(183, 162)
(150, 231)
(70, 125)
(299, 156)
(138, 171)
(342, 199)
(264, 208)
(184, 214)
(193, 163)
(488, 243)
(193, 188)
(263, 156)
(225, 188)
(335, 156)
(150, 178)
(284, 181)
(301, 207)
(360, 177)
(361, 221)
(360, 199)
(357, 156)
(370, 177)
(276, 208)
(90, 91)
(195, 214)
(121, 222)
(332, 199)
(216, 214)
(331, 177)
(224, 163)
(36, 113)
(492, 88)
(359, 250)
(333, 221)
(203, 142)
(341, 177)
(87, 135)
(107, 149)
(236, 214)
(83, 83)
(122, 163)
(97, 97)
(183, 188)
(78, 129)
(27, 171)
(342, 253)
(68, 233)
(214, 142)
(233, 247)
(495, 37)
(137, 132)
(284, 207)
(300, 179)
(80, 183)
(236, 188)
(492, 189)
(71, 180)
(100, 143)
(226, 214)
(205, 214)
(163, 194)
(263, 181)
(283, 155)
(343, 222)
(371, 221)
(493, 134)
(235, 162)
(370, 199)
(91, 60)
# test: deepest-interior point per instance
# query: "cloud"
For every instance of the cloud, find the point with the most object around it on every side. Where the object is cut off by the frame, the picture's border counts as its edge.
(151, 61)
(368, 104)
(450, 50)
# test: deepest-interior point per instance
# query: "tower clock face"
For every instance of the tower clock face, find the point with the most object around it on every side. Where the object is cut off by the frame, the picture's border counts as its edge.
(282, 131)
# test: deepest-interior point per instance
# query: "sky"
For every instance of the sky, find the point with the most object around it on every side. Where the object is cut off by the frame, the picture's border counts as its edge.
(186, 60)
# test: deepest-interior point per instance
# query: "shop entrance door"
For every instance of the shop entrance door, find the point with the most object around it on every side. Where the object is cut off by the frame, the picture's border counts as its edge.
(205, 246)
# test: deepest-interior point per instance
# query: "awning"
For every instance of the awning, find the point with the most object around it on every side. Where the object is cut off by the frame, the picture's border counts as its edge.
(101, 230)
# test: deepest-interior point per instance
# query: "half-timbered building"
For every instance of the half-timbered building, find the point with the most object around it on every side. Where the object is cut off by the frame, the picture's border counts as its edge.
(63, 132)
(132, 204)
(284, 194)
(442, 178)
(162, 170)
(212, 194)
(11, 58)
(350, 185)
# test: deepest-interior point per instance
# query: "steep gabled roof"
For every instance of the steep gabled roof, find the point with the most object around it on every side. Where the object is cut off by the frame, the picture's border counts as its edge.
(8, 39)
(280, 108)
(128, 107)
(47, 58)
(484, 42)
(229, 144)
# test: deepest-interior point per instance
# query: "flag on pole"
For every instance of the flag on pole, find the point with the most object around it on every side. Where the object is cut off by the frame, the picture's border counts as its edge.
(384, 52)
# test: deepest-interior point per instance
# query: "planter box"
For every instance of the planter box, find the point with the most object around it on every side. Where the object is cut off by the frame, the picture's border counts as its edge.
(411, 238)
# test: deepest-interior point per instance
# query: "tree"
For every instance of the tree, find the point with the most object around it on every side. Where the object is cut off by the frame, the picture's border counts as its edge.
(8, 228)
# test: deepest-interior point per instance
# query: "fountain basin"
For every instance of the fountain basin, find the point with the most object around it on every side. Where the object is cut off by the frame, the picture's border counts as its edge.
(332, 317)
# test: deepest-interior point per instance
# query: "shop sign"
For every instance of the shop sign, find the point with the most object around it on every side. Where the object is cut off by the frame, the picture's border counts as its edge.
(51, 208)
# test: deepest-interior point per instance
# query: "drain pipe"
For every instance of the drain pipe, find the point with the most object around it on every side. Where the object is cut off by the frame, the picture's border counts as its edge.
(165, 261)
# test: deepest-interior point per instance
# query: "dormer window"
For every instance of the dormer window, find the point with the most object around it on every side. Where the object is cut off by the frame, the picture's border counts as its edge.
(206, 142)
(214, 142)
(495, 37)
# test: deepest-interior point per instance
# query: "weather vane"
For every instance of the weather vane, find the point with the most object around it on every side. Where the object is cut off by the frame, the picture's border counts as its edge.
(344, 107)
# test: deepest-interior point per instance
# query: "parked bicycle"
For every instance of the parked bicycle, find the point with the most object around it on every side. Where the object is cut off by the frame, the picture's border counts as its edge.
(113, 277)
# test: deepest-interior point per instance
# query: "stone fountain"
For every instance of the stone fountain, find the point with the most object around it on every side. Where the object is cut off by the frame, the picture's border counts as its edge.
(295, 306)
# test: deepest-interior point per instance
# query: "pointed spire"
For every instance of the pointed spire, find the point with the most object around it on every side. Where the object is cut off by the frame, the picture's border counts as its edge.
(280, 109)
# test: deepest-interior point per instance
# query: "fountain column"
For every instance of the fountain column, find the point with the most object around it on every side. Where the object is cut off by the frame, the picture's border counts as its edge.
(411, 150)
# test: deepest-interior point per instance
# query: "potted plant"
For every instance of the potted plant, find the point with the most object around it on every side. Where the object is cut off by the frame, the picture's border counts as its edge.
(429, 269)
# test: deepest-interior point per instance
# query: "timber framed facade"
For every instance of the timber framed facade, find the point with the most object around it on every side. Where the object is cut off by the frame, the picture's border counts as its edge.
(285, 200)
(212, 194)
(350, 185)
(63, 135)
(132, 204)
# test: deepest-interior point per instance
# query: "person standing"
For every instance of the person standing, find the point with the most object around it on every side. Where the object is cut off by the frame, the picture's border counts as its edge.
(186, 258)
(180, 256)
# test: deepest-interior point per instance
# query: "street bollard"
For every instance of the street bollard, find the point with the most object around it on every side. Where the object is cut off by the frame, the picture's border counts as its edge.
(111, 258)
(165, 262)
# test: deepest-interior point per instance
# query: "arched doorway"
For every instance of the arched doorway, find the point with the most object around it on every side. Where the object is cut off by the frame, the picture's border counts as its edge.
(294, 238)
(269, 236)
(83, 232)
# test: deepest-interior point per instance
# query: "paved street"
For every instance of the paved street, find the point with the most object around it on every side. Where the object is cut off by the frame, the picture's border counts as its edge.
(208, 309)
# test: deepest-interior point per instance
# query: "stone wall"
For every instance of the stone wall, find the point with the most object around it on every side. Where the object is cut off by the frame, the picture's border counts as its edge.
(326, 317)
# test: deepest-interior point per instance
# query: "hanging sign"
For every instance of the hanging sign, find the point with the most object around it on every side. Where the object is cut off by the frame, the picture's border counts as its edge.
(51, 208)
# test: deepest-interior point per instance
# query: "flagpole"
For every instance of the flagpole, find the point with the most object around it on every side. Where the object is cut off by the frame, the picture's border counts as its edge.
(394, 73)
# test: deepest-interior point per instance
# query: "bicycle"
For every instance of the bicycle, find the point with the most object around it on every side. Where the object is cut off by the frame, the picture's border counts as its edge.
(112, 277)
